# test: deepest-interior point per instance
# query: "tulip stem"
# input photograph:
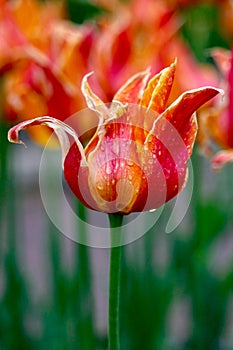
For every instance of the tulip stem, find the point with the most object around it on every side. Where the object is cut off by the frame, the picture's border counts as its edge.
(114, 282)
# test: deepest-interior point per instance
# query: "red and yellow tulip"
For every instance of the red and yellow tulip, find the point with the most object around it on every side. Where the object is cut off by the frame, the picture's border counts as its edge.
(140, 34)
(216, 122)
(137, 158)
(43, 60)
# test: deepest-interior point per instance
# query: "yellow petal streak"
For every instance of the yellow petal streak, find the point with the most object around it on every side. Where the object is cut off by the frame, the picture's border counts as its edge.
(158, 89)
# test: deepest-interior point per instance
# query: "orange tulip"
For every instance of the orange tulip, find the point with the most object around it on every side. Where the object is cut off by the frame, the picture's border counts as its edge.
(216, 122)
(137, 159)
(51, 56)
(138, 34)
(25, 23)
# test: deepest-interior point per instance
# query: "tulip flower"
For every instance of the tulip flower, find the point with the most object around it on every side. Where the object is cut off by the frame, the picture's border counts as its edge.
(137, 159)
(43, 61)
(138, 34)
(20, 31)
(216, 122)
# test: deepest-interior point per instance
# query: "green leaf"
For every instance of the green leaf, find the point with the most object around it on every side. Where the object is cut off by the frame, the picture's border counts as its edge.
(80, 11)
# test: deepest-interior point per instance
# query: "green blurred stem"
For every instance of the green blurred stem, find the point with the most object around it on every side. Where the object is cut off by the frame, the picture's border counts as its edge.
(114, 282)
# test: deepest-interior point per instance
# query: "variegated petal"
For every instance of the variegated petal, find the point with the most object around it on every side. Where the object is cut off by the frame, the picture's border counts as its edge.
(61, 129)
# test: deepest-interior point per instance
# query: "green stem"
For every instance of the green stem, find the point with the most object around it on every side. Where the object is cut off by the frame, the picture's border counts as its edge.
(114, 283)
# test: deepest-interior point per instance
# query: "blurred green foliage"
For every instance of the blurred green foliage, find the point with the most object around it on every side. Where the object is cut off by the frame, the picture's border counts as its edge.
(201, 29)
(81, 10)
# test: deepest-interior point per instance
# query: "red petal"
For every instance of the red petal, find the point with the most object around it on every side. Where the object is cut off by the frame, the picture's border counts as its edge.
(180, 113)
(77, 177)
(61, 129)
(222, 58)
(132, 90)
(121, 49)
(221, 159)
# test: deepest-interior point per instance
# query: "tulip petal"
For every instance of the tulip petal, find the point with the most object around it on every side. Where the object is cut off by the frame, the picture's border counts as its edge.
(93, 101)
(133, 89)
(221, 159)
(180, 113)
(77, 177)
(158, 89)
(222, 59)
(61, 129)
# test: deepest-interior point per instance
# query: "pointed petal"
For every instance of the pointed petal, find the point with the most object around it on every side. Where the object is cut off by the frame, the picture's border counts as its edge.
(132, 90)
(77, 177)
(93, 101)
(222, 59)
(211, 128)
(221, 159)
(180, 113)
(61, 129)
(158, 89)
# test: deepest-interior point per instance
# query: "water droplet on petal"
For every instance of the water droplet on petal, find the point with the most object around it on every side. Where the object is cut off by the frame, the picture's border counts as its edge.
(100, 187)
(130, 162)
(108, 169)
(130, 177)
(150, 139)
(150, 161)
(167, 173)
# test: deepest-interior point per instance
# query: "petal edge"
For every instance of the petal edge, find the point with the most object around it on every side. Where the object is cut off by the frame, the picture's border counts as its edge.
(61, 129)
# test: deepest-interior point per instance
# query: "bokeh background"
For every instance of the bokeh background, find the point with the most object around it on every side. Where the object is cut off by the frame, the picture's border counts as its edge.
(177, 288)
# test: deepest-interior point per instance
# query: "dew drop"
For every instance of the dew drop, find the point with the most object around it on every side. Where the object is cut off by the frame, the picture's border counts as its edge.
(167, 173)
(150, 139)
(116, 147)
(130, 162)
(100, 187)
(108, 169)
(150, 161)
(122, 131)
(152, 210)
(130, 177)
